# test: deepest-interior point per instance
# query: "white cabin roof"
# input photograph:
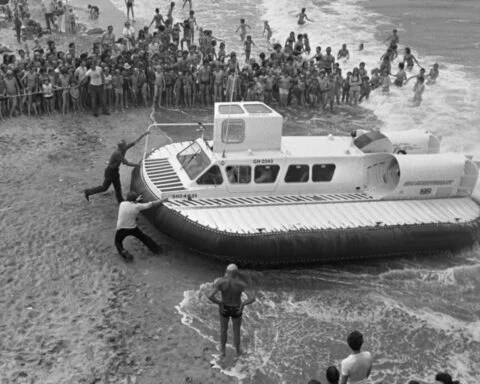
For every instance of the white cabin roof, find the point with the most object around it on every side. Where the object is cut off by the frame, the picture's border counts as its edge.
(243, 109)
(243, 126)
(313, 147)
(319, 146)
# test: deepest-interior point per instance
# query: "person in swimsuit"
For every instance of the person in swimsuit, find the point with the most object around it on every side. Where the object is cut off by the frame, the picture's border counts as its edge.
(157, 19)
(94, 11)
(189, 3)
(410, 59)
(231, 287)
(401, 75)
(393, 41)
(418, 90)
(343, 53)
(432, 76)
(243, 29)
(302, 16)
(129, 4)
(170, 13)
(266, 28)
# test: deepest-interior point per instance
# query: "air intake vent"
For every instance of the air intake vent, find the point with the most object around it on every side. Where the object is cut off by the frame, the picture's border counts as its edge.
(162, 175)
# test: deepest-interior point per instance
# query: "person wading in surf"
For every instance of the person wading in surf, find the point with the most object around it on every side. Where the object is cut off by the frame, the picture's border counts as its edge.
(231, 287)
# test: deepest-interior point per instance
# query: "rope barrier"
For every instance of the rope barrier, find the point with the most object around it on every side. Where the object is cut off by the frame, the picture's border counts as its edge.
(35, 93)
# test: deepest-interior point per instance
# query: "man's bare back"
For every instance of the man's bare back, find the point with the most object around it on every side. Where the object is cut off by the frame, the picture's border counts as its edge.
(231, 289)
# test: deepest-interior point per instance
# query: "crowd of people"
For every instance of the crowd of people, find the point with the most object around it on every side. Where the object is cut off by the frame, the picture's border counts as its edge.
(179, 64)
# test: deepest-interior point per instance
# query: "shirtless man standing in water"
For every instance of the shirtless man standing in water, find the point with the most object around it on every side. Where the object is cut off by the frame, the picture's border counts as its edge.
(231, 287)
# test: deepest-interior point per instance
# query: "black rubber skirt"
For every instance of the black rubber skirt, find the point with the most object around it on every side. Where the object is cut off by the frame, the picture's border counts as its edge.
(307, 246)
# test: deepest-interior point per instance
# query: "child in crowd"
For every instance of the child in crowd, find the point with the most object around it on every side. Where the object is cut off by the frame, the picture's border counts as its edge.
(169, 20)
(401, 75)
(74, 95)
(30, 83)
(108, 87)
(266, 28)
(189, 3)
(188, 89)
(355, 83)
(64, 84)
(365, 89)
(178, 88)
(117, 83)
(192, 23)
(187, 34)
(159, 86)
(418, 90)
(432, 76)
(306, 44)
(409, 59)
(243, 30)
(47, 89)
(94, 11)
(134, 86)
(375, 80)
(248, 48)
(72, 20)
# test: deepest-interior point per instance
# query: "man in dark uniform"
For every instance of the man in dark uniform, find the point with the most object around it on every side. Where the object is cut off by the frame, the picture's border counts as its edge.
(231, 287)
(112, 174)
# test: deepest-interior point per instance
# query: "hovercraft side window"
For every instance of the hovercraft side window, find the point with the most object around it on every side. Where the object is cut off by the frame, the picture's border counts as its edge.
(211, 177)
(265, 174)
(193, 160)
(233, 131)
(239, 174)
(297, 173)
(323, 172)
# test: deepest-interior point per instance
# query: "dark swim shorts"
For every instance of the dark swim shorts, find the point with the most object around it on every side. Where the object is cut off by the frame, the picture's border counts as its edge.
(232, 311)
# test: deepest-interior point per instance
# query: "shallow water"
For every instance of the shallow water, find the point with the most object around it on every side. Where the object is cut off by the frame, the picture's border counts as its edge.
(419, 315)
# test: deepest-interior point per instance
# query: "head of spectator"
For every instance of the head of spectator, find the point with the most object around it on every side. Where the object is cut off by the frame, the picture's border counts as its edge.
(355, 339)
(332, 375)
(444, 378)
(313, 381)
(132, 196)
(122, 144)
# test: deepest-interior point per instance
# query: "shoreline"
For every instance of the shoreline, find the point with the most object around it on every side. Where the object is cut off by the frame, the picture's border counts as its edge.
(109, 15)
(424, 20)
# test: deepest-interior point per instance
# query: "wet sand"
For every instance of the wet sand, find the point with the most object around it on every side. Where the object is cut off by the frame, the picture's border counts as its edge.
(72, 310)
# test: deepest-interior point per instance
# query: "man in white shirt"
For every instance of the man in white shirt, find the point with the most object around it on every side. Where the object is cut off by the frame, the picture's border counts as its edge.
(127, 224)
(96, 88)
(355, 369)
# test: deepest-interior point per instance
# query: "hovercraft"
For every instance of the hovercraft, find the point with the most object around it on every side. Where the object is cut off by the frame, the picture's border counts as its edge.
(253, 196)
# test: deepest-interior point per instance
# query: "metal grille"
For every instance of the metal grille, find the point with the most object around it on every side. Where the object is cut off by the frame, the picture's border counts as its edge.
(162, 175)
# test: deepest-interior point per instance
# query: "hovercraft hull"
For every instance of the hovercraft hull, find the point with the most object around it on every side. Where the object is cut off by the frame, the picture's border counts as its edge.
(328, 232)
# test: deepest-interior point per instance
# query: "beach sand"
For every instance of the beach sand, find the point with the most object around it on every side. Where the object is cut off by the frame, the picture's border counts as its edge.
(71, 310)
